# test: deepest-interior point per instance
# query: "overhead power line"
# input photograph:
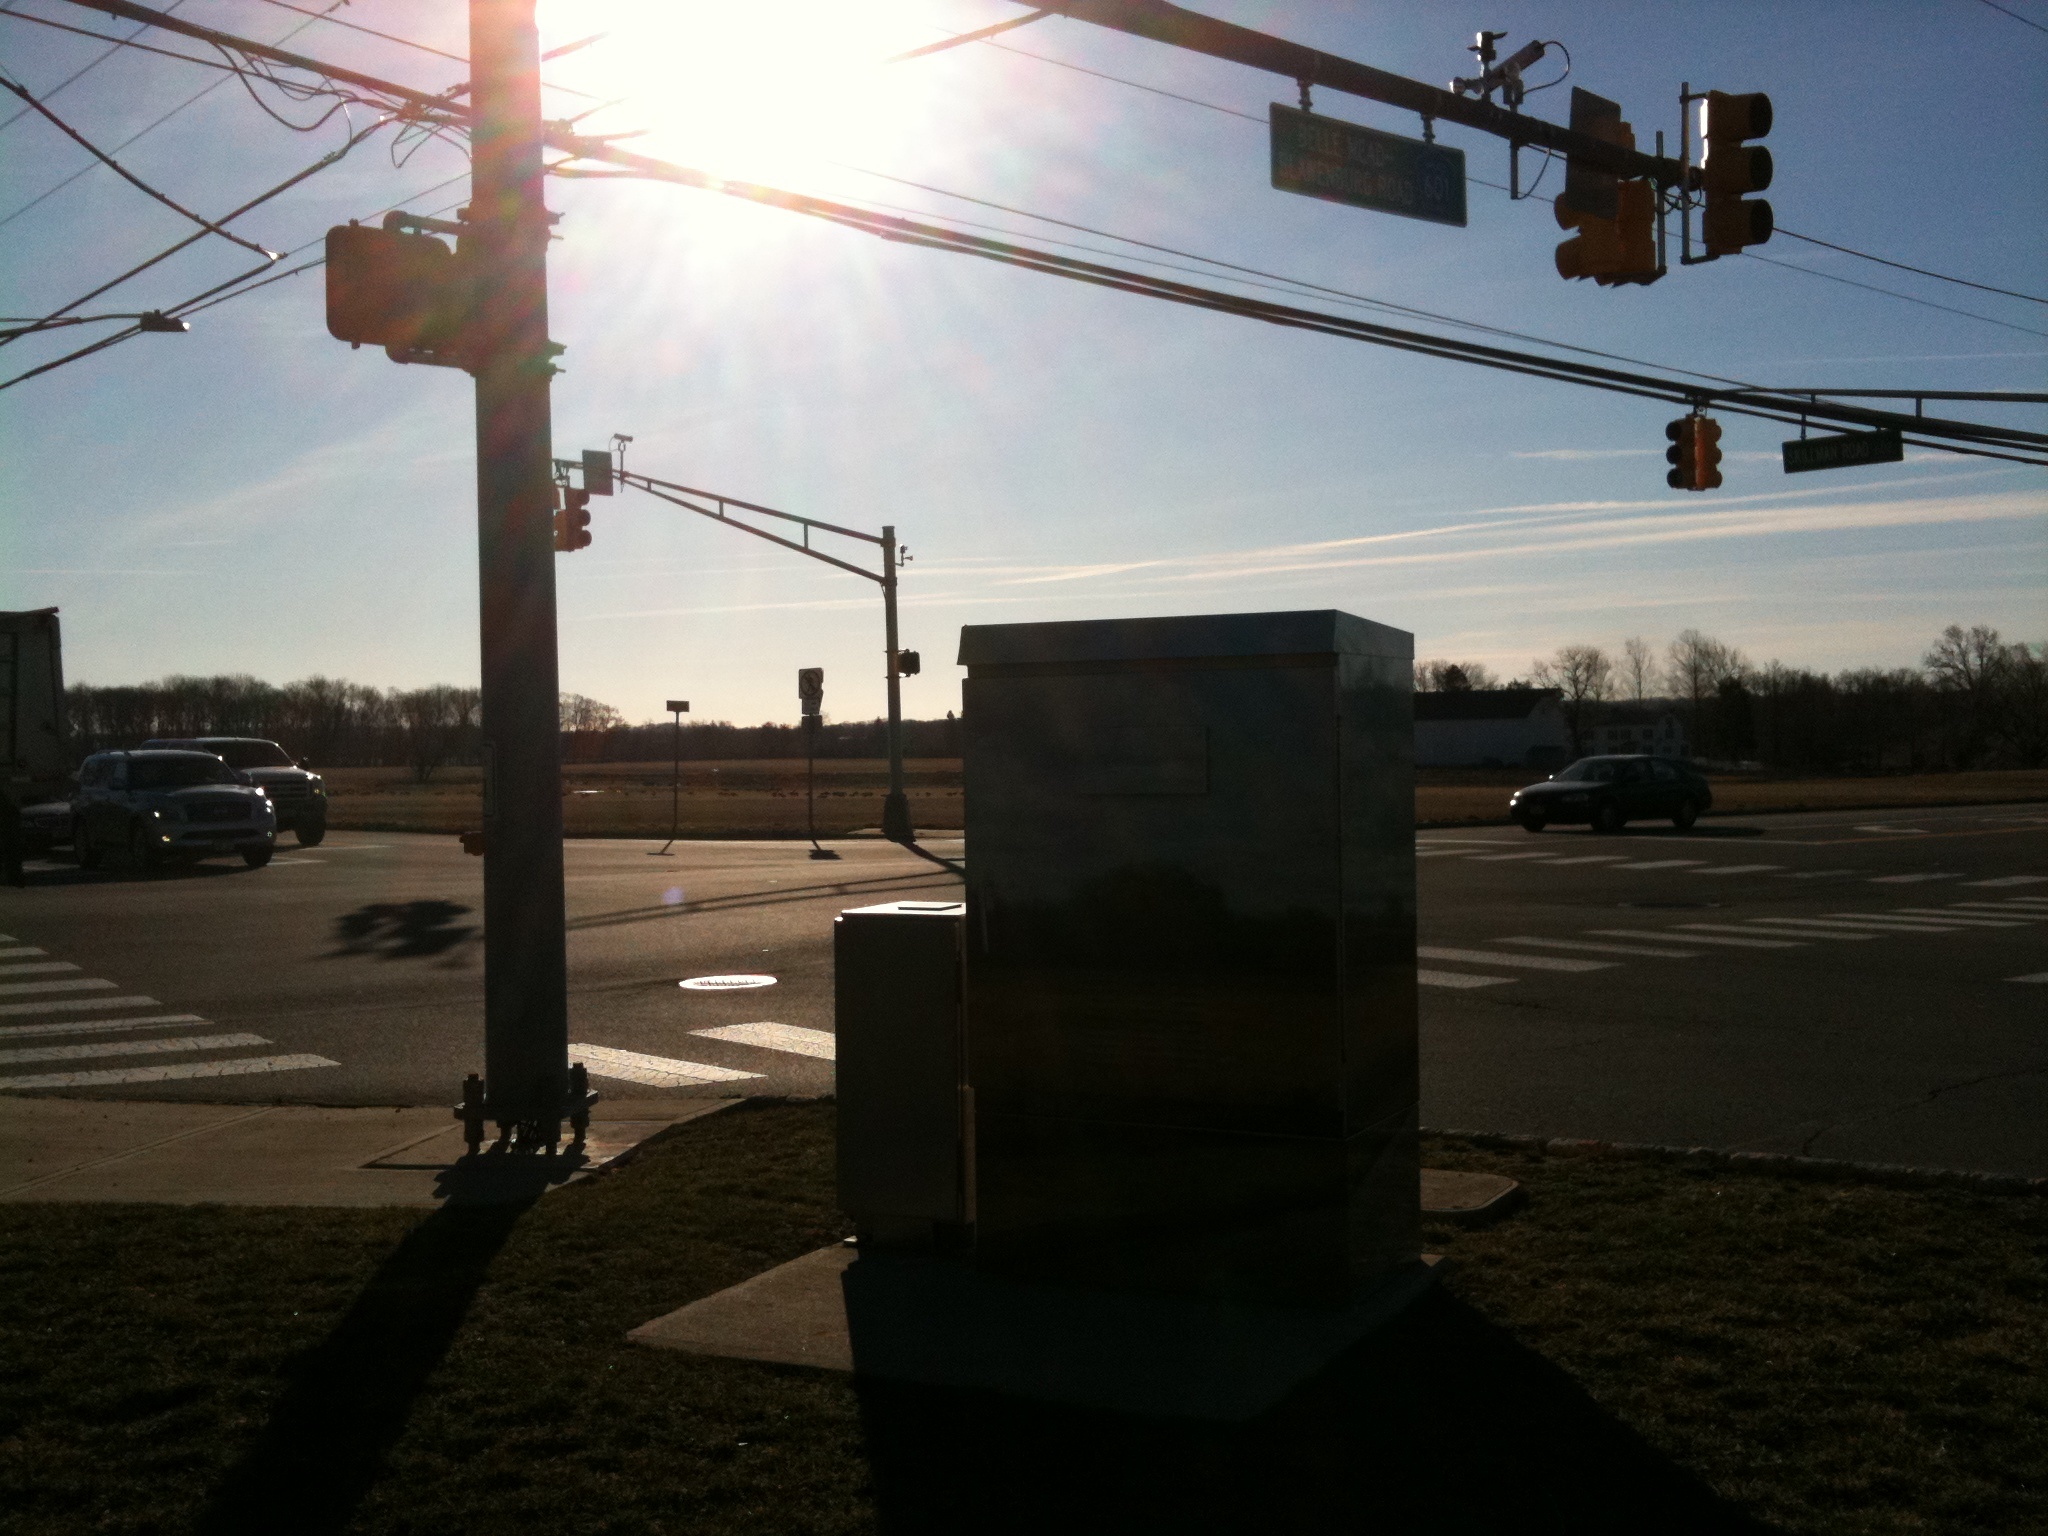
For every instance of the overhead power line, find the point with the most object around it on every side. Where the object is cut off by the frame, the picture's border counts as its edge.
(2025, 21)
(82, 71)
(1747, 401)
(979, 35)
(1885, 261)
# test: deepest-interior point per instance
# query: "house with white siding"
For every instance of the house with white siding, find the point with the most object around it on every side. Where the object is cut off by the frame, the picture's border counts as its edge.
(1491, 728)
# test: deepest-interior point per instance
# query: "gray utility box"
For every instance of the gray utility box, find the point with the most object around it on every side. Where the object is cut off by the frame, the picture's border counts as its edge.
(1190, 952)
(905, 1171)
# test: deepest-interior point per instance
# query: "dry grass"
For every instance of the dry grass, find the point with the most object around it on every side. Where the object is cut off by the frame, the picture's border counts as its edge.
(766, 798)
(1647, 1347)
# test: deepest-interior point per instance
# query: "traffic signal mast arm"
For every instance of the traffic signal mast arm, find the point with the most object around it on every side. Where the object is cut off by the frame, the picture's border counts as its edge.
(1181, 28)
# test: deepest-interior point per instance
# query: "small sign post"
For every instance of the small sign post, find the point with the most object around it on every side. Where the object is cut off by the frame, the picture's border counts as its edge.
(1844, 450)
(1347, 163)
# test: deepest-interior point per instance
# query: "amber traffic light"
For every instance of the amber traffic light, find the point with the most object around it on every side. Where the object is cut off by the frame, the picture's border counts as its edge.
(1694, 454)
(1732, 169)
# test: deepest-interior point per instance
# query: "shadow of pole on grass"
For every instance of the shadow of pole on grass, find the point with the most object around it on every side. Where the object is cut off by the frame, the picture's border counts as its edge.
(1441, 1422)
(348, 1399)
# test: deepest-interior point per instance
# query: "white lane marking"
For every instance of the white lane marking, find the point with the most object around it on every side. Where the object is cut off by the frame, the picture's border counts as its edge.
(172, 1047)
(2011, 880)
(1662, 864)
(2038, 976)
(1814, 874)
(23, 988)
(21, 954)
(1914, 879)
(98, 1026)
(1605, 949)
(656, 1071)
(1502, 858)
(1497, 957)
(37, 968)
(792, 1038)
(75, 1004)
(1457, 979)
(1786, 925)
(1737, 869)
(1700, 938)
(235, 1066)
(1593, 858)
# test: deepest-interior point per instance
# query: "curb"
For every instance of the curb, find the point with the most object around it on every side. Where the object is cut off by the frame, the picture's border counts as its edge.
(1778, 1164)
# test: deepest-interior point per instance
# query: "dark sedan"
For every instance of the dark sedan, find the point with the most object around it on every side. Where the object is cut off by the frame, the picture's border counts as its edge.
(1607, 792)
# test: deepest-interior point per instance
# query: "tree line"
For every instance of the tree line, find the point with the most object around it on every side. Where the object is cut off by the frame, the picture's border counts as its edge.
(333, 723)
(1975, 701)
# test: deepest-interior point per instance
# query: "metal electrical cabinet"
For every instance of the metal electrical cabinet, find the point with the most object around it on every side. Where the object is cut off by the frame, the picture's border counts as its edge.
(905, 1165)
(1190, 952)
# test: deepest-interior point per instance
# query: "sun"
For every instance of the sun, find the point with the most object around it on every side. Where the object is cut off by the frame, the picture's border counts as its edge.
(767, 90)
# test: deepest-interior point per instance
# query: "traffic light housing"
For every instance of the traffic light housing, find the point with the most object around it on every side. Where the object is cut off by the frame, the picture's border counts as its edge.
(407, 293)
(1732, 168)
(572, 520)
(1694, 454)
(908, 663)
(1613, 251)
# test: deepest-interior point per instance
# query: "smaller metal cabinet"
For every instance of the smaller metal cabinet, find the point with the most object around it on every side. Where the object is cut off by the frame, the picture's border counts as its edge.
(905, 1115)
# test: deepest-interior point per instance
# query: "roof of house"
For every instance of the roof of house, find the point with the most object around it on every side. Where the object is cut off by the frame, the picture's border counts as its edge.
(1484, 703)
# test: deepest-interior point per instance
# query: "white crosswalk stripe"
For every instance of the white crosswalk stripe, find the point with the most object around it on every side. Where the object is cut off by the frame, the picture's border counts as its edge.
(21, 953)
(2038, 976)
(1591, 858)
(170, 1071)
(1662, 864)
(1858, 925)
(1957, 919)
(1701, 938)
(1502, 858)
(1457, 979)
(176, 1046)
(24, 988)
(1914, 879)
(1603, 949)
(1896, 924)
(2011, 880)
(1813, 874)
(76, 1004)
(97, 1026)
(1737, 869)
(797, 1041)
(654, 1071)
(1497, 957)
(1785, 925)
(37, 968)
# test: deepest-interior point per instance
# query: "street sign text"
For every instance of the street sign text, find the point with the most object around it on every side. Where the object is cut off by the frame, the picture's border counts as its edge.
(1841, 450)
(1346, 163)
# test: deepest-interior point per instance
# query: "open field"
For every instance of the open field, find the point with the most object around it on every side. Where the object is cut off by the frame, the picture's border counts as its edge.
(1648, 1346)
(765, 798)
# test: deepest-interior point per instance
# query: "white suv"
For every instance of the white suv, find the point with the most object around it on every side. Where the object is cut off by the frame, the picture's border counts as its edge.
(160, 805)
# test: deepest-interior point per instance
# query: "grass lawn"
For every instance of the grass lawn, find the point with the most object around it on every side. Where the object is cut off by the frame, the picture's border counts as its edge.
(1648, 1347)
(766, 798)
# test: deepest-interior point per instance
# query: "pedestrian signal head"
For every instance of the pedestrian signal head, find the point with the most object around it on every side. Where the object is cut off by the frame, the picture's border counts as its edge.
(908, 663)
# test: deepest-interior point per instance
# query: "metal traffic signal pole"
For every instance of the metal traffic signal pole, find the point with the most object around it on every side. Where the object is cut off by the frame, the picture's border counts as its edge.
(526, 1036)
(896, 808)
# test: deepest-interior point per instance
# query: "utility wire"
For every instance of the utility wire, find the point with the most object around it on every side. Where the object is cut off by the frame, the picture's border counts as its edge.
(1835, 277)
(936, 237)
(127, 175)
(2016, 16)
(979, 35)
(406, 42)
(180, 107)
(85, 69)
(1903, 267)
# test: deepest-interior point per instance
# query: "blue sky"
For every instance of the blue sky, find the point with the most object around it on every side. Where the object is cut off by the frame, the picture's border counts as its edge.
(257, 497)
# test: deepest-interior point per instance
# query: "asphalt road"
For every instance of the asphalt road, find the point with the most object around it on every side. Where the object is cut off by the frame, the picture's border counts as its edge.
(1847, 985)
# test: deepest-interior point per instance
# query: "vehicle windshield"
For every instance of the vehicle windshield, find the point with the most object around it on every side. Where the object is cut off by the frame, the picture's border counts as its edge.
(1588, 770)
(180, 772)
(250, 754)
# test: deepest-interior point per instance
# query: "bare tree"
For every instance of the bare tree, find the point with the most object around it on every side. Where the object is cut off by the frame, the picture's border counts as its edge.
(1698, 666)
(1638, 668)
(1583, 676)
(2024, 717)
(435, 721)
(1439, 676)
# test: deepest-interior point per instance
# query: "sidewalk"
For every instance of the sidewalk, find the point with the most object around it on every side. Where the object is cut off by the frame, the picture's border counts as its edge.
(238, 1154)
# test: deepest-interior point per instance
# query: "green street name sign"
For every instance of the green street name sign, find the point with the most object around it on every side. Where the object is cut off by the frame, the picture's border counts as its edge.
(1345, 163)
(1842, 450)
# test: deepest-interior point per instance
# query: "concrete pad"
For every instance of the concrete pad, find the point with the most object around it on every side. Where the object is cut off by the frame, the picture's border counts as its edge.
(190, 1154)
(939, 1322)
(1468, 1199)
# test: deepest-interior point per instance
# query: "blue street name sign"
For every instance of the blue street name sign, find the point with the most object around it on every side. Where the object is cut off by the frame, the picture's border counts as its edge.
(1345, 163)
(1840, 451)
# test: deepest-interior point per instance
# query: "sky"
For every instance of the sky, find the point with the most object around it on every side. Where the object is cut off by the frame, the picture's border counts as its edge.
(256, 497)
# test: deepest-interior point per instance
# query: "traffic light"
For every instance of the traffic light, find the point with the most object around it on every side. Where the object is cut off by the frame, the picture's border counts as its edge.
(1594, 251)
(1694, 454)
(572, 520)
(1732, 168)
(407, 293)
(1622, 249)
